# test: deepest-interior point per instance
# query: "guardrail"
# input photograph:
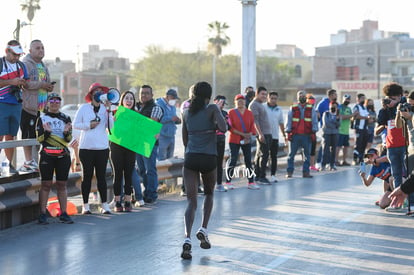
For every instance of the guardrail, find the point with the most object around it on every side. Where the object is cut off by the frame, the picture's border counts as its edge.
(19, 194)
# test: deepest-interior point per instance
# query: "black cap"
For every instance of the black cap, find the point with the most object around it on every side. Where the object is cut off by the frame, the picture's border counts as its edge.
(53, 95)
(172, 93)
(371, 151)
(221, 97)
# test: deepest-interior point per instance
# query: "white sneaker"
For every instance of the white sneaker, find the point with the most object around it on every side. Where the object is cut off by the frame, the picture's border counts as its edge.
(253, 186)
(29, 166)
(229, 186)
(105, 208)
(112, 204)
(202, 235)
(220, 188)
(318, 165)
(273, 179)
(85, 209)
(186, 254)
(394, 209)
(139, 203)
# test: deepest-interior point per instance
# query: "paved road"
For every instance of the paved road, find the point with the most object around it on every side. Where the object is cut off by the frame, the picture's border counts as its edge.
(325, 225)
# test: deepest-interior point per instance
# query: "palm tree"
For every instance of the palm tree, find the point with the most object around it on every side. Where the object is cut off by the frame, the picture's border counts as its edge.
(31, 6)
(216, 44)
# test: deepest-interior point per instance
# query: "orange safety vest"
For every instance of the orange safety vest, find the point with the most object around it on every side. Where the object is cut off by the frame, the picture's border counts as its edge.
(302, 126)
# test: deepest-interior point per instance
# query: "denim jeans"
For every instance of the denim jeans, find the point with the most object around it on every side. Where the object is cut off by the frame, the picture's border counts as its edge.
(319, 157)
(166, 147)
(136, 184)
(148, 172)
(299, 141)
(247, 154)
(396, 156)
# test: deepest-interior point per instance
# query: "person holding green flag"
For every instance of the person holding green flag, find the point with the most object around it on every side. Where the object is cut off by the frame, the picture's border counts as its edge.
(123, 161)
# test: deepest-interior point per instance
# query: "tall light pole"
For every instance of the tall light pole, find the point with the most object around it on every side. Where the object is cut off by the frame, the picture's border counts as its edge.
(378, 55)
(248, 58)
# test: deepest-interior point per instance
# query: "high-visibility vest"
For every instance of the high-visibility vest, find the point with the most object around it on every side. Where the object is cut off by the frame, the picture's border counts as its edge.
(296, 120)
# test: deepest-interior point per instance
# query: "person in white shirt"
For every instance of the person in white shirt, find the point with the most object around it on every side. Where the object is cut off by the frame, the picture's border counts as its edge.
(93, 118)
(361, 131)
(275, 114)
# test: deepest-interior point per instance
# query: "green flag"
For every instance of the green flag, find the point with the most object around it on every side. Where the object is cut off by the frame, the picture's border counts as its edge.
(134, 131)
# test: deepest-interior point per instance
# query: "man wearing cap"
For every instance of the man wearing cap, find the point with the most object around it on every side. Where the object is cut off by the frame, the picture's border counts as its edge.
(169, 121)
(34, 99)
(381, 169)
(345, 115)
(13, 78)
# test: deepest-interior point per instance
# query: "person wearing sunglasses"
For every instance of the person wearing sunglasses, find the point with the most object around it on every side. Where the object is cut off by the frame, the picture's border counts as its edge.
(13, 76)
(54, 132)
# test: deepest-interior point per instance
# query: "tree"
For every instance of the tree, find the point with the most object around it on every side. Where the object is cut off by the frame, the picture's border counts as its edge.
(216, 44)
(31, 6)
(272, 73)
(164, 69)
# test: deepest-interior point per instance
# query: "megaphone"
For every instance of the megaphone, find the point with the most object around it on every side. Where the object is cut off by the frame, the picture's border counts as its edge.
(112, 96)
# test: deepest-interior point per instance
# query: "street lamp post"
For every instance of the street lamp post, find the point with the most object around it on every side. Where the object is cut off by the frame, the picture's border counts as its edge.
(378, 53)
(248, 58)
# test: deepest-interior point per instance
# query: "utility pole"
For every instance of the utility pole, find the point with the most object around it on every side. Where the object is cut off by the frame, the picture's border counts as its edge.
(248, 58)
(16, 32)
(378, 52)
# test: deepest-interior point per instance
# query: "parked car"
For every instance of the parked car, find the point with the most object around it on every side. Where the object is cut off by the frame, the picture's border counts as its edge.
(70, 110)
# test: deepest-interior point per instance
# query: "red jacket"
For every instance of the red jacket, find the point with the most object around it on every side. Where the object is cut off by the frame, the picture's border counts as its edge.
(235, 123)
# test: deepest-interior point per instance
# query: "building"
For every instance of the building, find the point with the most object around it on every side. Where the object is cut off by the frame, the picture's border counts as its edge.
(103, 66)
(364, 60)
(292, 57)
(103, 60)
